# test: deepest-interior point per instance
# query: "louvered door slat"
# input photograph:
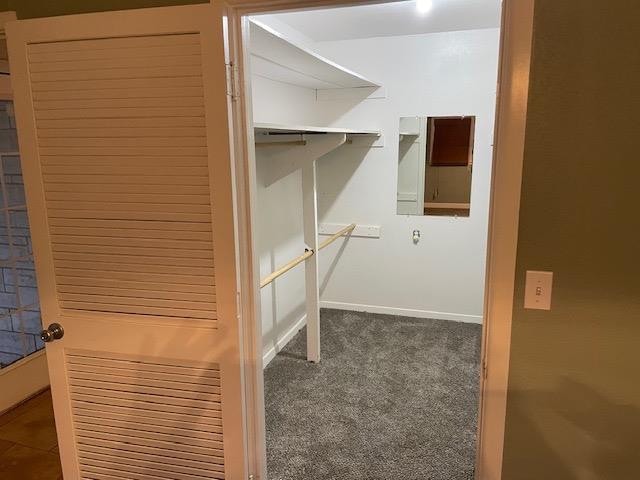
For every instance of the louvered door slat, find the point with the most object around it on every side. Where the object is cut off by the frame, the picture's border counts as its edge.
(151, 463)
(125, 449)
(119, 225)
(117, 44)
(120, 132)
(160, 383)
(132, 426)
(136, 293)
(146, 437)
(95, 371)
(160, 409)
(117, 470)
(130, 232)
(118, 187)
(107, 167)
(117, 73)
(115, 61)
(135, 242)
(117, 142)
(120, 150)
(133, 122)
(116, 361)
(142, 416)
(136, 260)
(116, 283)
(149, 51)
(128, 267)
(157, 456)
(168, 199)
(91, 103)
(128, 83)
(124, 177)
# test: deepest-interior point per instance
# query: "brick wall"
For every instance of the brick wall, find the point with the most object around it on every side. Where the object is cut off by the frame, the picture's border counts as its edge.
(19, 311)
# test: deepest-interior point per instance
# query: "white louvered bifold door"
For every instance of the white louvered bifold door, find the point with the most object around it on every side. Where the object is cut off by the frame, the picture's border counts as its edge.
(123, 127)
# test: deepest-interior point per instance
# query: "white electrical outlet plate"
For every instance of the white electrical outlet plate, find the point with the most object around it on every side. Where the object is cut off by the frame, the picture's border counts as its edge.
(537, 290)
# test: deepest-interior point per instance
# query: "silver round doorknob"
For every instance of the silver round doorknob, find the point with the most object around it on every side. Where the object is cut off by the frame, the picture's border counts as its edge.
(53, 332)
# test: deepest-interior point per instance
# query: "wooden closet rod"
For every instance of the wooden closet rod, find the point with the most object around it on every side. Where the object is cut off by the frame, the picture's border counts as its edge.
(285, 268)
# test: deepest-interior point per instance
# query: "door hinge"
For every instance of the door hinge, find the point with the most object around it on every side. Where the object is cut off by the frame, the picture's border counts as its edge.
(251, 477)
(484, 368)
(233, 80)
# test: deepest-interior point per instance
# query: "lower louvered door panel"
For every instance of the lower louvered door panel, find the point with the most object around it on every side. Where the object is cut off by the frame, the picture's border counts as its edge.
(145, 420)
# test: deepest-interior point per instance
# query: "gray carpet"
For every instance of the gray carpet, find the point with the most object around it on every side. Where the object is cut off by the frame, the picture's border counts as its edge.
(393, 398)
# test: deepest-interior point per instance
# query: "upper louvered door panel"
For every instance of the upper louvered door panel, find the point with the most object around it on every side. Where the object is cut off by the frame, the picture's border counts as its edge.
(120, 126)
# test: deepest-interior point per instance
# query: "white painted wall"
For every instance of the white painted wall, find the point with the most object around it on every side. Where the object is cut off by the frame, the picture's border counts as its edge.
(452, 73)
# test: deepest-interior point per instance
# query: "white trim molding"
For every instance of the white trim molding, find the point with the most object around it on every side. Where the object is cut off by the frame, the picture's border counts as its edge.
(513, 88)
(403, 312)
(504, 213)
(23, 379)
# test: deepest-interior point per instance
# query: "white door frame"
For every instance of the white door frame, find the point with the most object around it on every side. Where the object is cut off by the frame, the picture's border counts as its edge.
(511, 111)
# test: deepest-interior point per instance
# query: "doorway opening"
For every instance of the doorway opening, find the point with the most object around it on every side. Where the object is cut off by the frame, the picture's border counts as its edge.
(372, 131)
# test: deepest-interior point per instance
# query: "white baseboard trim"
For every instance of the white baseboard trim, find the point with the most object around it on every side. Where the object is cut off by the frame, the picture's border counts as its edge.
(404, 312)
(23, 379)
(271, 352)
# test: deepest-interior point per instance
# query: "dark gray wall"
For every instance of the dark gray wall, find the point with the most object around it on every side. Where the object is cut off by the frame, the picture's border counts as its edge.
(574, 391)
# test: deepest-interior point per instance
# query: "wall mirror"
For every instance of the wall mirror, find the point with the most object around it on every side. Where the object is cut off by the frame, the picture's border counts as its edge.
(435, 162)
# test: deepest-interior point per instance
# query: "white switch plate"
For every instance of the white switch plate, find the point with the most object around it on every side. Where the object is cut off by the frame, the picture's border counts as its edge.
(537, 290)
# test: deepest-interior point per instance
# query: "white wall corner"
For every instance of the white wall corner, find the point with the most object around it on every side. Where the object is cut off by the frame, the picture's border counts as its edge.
(271, 352)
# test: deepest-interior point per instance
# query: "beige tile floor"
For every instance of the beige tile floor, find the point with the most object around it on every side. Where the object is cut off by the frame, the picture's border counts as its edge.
(28, 444)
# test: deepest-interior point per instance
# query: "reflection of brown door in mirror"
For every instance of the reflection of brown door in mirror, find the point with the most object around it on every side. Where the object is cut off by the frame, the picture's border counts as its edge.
(449, 162)
(451, 142)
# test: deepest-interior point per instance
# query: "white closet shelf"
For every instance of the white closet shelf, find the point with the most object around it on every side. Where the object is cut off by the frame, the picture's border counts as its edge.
(277, 129)
(297, 145)
(276, 57)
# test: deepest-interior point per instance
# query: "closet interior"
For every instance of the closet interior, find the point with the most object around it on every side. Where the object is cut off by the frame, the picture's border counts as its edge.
(372, 131)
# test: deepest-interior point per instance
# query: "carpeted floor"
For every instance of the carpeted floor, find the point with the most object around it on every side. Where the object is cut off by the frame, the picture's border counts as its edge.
(394, 398)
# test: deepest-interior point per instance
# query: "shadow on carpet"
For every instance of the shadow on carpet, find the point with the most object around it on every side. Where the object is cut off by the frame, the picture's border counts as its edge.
(393, 398)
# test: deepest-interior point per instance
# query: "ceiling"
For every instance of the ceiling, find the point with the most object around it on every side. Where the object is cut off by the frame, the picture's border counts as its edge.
(389, 19)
